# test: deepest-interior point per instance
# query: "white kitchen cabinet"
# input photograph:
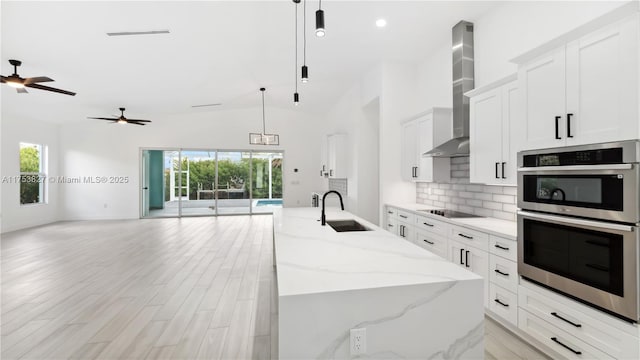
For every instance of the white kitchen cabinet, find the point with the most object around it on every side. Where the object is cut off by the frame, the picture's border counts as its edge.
(493, 125)
(420, 134)
(337, 156)
(324, 157)
(473, 259)
(583, 91)
(435, 243)
(409, 160)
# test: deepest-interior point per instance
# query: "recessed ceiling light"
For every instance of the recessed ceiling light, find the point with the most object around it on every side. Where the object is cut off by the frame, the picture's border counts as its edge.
(381, 23)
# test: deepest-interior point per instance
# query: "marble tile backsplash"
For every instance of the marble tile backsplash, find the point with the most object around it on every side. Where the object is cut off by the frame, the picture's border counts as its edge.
(460, 195)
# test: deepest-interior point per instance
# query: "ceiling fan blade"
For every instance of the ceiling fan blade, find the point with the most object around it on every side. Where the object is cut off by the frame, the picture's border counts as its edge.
(135, 123)
(38, 79)
(22, 90)
(138, 120)
(47, 88)
(102, 118)
(2, 79)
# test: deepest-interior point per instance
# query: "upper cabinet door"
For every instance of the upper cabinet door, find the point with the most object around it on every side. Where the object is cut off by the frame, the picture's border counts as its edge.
(409, 151)
(511, 110)
(542, 83)
(486, 137)
(602, 85)
(337, 155)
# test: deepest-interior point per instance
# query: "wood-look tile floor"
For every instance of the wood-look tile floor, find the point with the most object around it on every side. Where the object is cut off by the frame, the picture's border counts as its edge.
(191, 288)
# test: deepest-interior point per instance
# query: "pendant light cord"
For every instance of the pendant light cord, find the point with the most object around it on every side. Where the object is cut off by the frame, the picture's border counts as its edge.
(295, 76)
(264, 130)
(319, 4)
(304, 32)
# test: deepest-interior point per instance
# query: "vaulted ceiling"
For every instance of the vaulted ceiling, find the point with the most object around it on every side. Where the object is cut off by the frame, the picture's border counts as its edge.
(216, 52)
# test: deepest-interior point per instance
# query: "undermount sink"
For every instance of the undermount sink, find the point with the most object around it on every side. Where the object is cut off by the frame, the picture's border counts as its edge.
(346, 225)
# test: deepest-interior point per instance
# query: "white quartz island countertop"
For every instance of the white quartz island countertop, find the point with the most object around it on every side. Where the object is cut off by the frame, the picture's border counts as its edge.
(312, 258)
(413, 304)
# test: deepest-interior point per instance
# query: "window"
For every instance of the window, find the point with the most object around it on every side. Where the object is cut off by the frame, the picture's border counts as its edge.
(32, 173)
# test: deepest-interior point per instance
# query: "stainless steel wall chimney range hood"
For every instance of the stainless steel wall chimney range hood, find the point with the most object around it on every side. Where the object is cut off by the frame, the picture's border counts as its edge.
(462, 82)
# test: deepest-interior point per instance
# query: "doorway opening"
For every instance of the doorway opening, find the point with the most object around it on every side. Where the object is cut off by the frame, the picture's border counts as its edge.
(211, 182)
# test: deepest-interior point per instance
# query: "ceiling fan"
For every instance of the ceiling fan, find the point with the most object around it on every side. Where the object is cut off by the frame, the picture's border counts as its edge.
(122, 119)
(14, 80)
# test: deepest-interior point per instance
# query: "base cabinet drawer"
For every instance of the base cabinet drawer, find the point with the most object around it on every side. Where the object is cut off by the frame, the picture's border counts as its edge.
(504, 273)
(392, 226)
(505, 248)
(470, 237)
(503, 303)
(406, 216)
(558, 340)
(571, 317)
(434, 243)
(391, 212)
(431, 225)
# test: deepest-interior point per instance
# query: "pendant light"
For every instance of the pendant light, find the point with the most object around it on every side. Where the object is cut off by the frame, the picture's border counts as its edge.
(263, 138)
(296, 96)
(320, 20)
(305, 69)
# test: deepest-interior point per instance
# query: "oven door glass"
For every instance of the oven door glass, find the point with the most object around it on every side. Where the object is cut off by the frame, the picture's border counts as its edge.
(590, 257)
(590, 191)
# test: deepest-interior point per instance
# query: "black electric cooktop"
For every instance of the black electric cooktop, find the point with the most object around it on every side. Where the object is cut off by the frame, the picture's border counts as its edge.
(450, 213)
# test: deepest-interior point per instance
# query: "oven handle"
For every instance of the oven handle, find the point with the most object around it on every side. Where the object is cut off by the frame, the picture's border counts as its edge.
(578, 167)
(574, 221)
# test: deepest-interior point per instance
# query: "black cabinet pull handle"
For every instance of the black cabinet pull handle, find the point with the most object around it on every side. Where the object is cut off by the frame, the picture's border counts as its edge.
(569, 125)
(461, 262)
(555, 339)
(497, 164)
(403, 216)
(466, 236)
(504, 177)
(501, 247)
(466, 258)
(557, 130)
(321, 172)
(430, 225)
(330, 172)
(565, 320)
(501, 273)
(390, 212)
(402, 230)
(428, 242)
(390, 225)
(501, 303)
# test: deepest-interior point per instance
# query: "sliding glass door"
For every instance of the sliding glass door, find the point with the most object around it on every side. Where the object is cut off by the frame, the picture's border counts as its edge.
(191, 182)
(266, 187)
(198, 182)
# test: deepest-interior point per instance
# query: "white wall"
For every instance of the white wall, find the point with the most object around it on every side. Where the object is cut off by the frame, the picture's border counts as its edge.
(102, 149)
(15, 130)
(500, 35)
(370, 113)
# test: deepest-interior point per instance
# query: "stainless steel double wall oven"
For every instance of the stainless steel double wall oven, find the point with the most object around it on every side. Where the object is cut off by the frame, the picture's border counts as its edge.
(578, 223)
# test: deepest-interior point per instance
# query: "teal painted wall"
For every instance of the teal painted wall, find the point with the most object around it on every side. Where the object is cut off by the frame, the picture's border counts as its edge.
(156, 179)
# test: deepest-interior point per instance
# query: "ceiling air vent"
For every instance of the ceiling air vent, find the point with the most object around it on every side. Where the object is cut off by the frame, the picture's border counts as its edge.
(127, 33)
